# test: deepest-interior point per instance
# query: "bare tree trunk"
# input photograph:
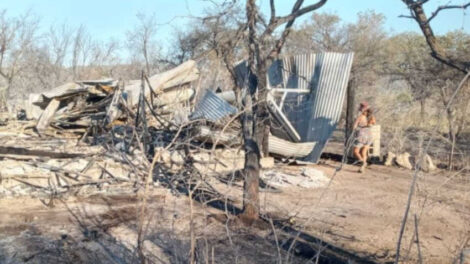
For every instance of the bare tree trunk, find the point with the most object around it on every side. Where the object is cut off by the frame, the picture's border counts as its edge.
(250, 124)
(450, 124)
(252, 158)
(451, 128)
(450, 120)
(256, 142)
(422, 103)
(350, 110)
(8, 89)
(251, 183)
(450, 165)
(255, 118)
(146, 57)
(263, 117)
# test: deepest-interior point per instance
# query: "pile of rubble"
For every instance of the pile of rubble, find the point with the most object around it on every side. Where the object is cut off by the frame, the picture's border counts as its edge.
(305, 99)
(97, 133)
(109, 133)
(47, 167)
(82, 106)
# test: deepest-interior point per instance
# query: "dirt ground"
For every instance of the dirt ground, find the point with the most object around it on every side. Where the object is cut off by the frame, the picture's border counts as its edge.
(102, 228)
(362, 212)
(357, 213)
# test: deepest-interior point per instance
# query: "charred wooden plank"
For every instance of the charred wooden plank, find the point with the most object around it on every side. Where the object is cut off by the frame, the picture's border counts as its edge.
(47, 115)
(40, 153)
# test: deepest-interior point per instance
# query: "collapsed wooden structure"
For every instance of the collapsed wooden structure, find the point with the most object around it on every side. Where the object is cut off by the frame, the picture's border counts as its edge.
(97, 132)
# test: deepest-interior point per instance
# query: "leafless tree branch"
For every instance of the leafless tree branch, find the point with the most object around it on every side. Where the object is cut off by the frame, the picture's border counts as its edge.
(297, 11)
(273, 11)
(417, 11)
(440, 8)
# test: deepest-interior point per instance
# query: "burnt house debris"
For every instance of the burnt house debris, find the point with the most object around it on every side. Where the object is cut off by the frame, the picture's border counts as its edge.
(117, 127)
(305, 101)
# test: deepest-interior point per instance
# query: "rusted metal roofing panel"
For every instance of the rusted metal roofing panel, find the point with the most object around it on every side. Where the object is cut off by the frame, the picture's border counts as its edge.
(212, 107)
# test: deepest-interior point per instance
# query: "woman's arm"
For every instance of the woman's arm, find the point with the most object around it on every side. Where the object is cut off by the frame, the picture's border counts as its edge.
(356, 123)
(372, 121)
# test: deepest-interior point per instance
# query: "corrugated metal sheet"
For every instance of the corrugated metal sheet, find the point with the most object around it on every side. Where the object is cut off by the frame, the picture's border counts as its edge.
(289, 149)
(212, 107)
(329, 85)
(292, 72)
(321, 80)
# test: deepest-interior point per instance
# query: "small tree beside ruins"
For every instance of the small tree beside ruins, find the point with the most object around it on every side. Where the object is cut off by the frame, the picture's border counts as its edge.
(257, 37)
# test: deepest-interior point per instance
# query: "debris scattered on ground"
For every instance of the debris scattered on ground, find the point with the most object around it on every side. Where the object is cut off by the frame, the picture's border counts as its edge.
(403, 160)
(99, 134)
(309, 178)
(428, 164)
(267, 162)
(390, 159)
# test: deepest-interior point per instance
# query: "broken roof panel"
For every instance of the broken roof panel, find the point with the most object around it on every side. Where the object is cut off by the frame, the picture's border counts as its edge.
(333, 76)
(177, 76)
(293, 72)
(212, 108)
(60, 91)
(312, 87)
(315, 115)
(289, 149)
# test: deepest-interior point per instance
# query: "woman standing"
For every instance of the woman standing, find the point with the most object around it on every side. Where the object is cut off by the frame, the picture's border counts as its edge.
(363, 139)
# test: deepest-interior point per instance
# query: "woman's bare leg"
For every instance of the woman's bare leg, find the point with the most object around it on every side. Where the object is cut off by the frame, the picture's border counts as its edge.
(364, 154)
(357, 153)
